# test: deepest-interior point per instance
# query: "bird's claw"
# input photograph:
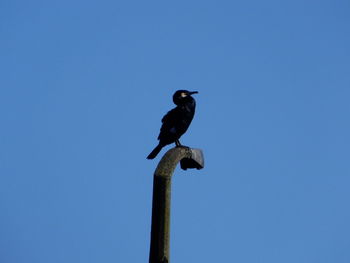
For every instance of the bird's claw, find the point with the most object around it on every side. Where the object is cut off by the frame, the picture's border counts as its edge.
(183, 146)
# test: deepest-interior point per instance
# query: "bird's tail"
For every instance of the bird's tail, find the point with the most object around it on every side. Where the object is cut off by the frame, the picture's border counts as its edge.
(155, 151)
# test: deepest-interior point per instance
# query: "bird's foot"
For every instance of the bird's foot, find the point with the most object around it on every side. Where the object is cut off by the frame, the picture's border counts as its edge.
(183, 146)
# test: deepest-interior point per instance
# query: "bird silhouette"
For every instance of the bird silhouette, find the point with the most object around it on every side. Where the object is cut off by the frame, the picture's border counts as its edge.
(176, 122)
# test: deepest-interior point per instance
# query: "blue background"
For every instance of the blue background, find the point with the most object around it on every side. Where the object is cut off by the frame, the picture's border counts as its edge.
(84, 85)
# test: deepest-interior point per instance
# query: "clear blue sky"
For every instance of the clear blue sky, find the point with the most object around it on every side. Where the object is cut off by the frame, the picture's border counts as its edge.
(84, 85)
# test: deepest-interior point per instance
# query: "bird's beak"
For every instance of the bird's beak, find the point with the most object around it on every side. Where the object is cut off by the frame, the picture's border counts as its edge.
(193, 92)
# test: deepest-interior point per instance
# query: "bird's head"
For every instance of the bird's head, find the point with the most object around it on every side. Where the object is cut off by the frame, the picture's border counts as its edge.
(182, 96)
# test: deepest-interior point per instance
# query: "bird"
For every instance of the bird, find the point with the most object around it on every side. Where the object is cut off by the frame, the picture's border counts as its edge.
(176, 122)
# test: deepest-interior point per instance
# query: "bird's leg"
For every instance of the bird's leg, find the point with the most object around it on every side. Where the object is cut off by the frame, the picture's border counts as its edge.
(178, 144)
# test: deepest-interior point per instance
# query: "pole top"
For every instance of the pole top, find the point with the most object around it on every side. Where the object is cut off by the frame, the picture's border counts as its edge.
(189, 159)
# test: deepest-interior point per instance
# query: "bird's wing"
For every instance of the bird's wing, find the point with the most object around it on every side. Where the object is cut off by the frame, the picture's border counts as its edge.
(170, 117)
(169, 122)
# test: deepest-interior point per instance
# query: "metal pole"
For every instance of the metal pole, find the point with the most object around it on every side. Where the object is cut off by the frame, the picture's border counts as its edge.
(160, 230)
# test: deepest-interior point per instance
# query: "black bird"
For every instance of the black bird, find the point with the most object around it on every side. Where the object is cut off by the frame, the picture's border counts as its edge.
(176, 121)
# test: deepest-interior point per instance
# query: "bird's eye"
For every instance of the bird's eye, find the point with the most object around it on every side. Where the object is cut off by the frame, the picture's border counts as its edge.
(183, 94)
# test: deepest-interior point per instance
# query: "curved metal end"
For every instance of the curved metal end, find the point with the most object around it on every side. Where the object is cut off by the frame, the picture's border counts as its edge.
(195, 161)
(189, 158)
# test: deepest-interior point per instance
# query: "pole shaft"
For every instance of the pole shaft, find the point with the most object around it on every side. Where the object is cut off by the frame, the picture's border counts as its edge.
(160, 236)
(160, 230)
